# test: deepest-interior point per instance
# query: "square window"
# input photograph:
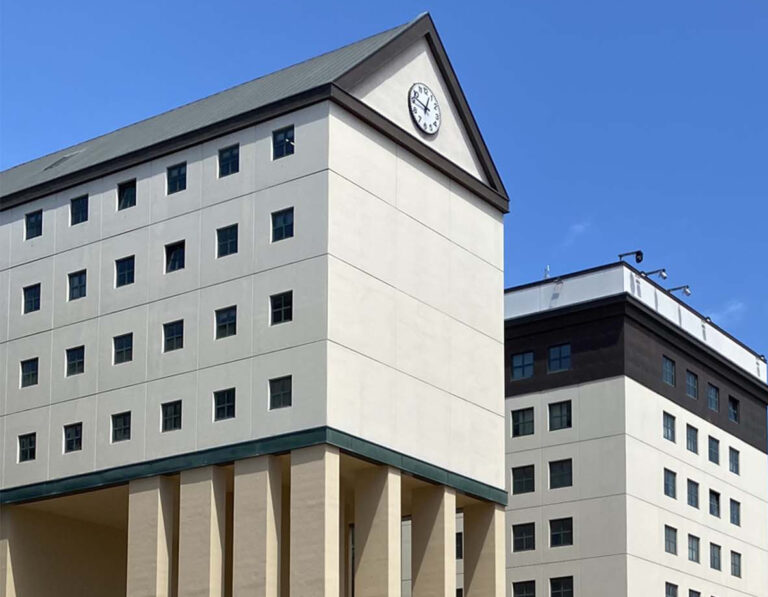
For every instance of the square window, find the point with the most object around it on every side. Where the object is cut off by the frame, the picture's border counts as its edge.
(73, 437)
(734, 414)
(559, 358)
(693, 494)
(560, 473)
(670, 540)
(226, 241)
(174, 256)
(692, 593)
(173, 335)
(524, 537)
(280, 392)
(526, 588)
(670, 590)
(32, 298)
(670, 483)
(736, 513)
(226, 322)
(229, 160)
(282, 224)
(171, 415)
(77, 285)
(736, 564)
(125, 270)
(123, 348)
(713, 397)
(733, 461)
(714, 503)
(522, 422)
(281, 307)
(692, 439)
(177, 178)
(693, 548)
(561, 532)
(560, 415)
(522, 365)
(126, 194)
(714, 450)
(561, 587)
(668, 371)
(121, 427)
(692, 385)
(29, 369)
(523, 480)
(75, 360)
(282, 142)
(27, 447)
(714, 556)
(669, 427)
(224, 404)
(78, 210)
(33, 224)
(459, 546)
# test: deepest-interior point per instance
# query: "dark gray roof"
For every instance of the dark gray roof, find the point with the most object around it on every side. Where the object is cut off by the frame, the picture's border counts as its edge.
(263, 91)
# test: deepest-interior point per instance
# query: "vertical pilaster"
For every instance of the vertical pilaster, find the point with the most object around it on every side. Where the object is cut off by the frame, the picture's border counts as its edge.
(433, 542)
(378, 522)
(484, 550)
(7, 587)
(257, 521)
(151, 517)
(315, 486)
(202, 509)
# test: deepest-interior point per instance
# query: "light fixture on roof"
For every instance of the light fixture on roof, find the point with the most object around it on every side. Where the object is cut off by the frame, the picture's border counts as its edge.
(638, 256)
(685, 288)
(662, 273)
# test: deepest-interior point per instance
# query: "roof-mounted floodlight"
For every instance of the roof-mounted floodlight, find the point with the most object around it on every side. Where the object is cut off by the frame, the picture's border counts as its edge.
(685, 288)
(662, 273)
(638, 256)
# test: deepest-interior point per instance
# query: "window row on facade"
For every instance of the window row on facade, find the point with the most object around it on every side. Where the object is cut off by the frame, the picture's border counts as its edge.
(694, 551)
(692, 497)
(561, 586)
(560, 534)
(560, 416)
(175, 180)
(522, 364)
(280, 390)
(669, 424)
(524, 476)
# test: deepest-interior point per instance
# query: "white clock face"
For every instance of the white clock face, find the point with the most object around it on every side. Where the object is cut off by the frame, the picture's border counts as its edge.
(424, 108)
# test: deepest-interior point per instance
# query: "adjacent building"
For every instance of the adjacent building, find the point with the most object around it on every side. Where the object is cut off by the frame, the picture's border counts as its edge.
(636, 444)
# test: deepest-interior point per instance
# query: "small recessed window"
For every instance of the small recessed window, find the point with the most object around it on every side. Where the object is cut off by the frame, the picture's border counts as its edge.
(177, 178)
(523, 480)
(714, 556)
(561, 532)
(226, 241)
(733, 409)
(734, 464)
(692, 593)
(525, 588)
(561, 587)
(226, 322)
(713, 397)
(171, 415)
(126, 194)
(27, 447)
(559, 358)
(33, 224)
(281, 307)
(522, 422)
(714, 450)
(75, 360)
(280, 392)
(125, 271)
(668, 374)
(282, 224)
(123, 347)
(32, 298)
(693, 494)
(121, 427)
(229, 160)
(692, 439)
(29, 371)
(714, 503)
(174, 256)
(173, 335)
(560, 415)
(459, 546)
(670, 483)
(736, 564)
(693, 548)
(670, 590)
(669, 427)
(77, 285)
(224, 404)
(78, 210)
(282, 142)
(735, 512)
(692, 385)
(560, 474)
(524, 537)
(670, 540)
(522, 365)
(73, 437)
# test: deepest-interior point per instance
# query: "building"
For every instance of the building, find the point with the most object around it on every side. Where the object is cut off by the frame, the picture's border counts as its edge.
(237, 349)
(636, 444)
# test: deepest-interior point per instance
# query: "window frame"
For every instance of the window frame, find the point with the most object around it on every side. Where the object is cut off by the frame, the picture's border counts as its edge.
(736, 564)
(713, 397)
(734, 410)
(176, 173)
(734, 512)
(561, 586)
(715, 505)
(524, 367)
(75, 289)
(692, 438)
(125, 268)
(230, 245)
(171, 416)
(30, 303)
(225, 322)
(564, 533)
(286, 229)
(694, 548)
(33, 224)
(522, 425)
(563, 362)
(734, 460)
(668, 371)
(670, 483)
(224, 404)
(287, 145)
(122, 354)
(28, 375)
(121, 432)
(565, 475)
(124, 200)
(669, 423)
(715, 556)
(523, 537)
(232, 169)
(174, 341)
(282, 312)
(670, 540)
(73, 442)
(279, 387)
(713, 450)
(691, 384)
(519, 481)
(692, 491)
(564, 420)
(27, 447)
(78, 210)
(75, 360)
(172, 251)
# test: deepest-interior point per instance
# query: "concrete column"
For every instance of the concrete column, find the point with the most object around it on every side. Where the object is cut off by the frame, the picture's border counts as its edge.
(7, 586)
(484, 550)
(433, 542)
(315, 522)
(151, 516)
(378, 521)
(257, 520)
(202, 521)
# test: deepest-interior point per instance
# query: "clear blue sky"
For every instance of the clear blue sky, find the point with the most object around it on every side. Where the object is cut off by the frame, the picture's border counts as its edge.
(615, 125)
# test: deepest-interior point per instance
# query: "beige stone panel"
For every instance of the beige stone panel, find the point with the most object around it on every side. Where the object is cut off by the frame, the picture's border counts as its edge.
(202, 507)
(484, 559)
(6, 571)
(151, 514)
(378, 515)
(315, 486)
(433, 542)
(256, 528)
